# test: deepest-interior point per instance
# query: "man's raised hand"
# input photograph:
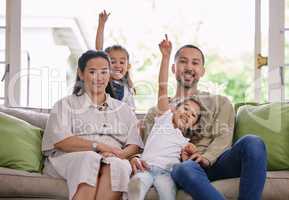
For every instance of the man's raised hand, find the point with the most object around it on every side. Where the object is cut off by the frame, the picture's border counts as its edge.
(165, 46)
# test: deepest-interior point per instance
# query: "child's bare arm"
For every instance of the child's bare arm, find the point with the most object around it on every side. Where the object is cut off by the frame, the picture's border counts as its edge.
(163, 101)
(103, 16)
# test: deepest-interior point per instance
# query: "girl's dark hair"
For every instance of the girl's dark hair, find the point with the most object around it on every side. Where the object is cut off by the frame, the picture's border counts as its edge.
(125, 79)
(78, 88)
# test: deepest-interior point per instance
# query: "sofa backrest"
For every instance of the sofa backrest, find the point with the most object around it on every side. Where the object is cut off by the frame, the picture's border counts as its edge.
(35, 118)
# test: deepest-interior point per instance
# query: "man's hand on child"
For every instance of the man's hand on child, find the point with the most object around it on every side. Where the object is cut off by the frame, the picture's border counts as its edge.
(197, 157)
(165, 46)
(190, 148)
(102, 17)
(137, 164)
(184, 155)
(188, 151)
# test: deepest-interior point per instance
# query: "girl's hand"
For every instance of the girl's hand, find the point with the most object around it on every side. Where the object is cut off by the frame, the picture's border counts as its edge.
(165, 46)
(102, 17)
(137, 164)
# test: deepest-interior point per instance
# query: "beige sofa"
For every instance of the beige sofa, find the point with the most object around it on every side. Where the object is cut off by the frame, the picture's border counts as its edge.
(15, 184)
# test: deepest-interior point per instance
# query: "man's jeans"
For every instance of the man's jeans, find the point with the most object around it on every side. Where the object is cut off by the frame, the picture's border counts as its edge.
(246, 159)
(158, 177)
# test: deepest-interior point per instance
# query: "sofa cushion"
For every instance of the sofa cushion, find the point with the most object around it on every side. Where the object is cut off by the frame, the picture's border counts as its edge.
(276, 188)
(270, 122)
(20, 144)
(16, 183)
(22, 184)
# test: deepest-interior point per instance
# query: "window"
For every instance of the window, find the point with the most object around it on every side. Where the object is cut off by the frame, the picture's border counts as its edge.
(286, 69)
(53, 39)
(228, 42)
(45, 65)
(2, 48)
(264, 49)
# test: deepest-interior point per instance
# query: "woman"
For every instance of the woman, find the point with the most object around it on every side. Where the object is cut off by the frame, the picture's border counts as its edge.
(89, 135)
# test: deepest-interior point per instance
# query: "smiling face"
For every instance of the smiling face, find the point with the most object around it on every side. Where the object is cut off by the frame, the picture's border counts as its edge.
(186, 115)
(188, 67)
(95, 75)
(119, 64)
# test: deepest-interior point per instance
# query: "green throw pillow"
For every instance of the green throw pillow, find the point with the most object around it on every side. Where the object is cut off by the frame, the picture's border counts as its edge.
(20, 144)
(271, 123)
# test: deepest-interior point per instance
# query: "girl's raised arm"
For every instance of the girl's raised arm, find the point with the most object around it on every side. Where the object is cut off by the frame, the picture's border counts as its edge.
(103, 16)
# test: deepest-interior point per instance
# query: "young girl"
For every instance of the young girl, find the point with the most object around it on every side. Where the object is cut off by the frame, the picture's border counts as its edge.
(120, 86)
(166, 140)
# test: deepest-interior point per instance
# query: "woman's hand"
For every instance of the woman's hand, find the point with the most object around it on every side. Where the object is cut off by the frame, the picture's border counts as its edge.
(104, 148)
(108, 151)
(107, 154)
(118, 152)
(137, 164)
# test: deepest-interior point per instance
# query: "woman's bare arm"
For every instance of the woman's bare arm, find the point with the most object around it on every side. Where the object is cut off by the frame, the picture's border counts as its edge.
(75, 143)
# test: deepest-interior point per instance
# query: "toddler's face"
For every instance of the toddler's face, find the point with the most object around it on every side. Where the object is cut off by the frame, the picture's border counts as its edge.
(186, 115)
(119, 64)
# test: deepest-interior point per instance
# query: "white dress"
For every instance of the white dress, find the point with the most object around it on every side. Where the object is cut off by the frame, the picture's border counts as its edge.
(128, 97)
(77, 116)
(164, 143)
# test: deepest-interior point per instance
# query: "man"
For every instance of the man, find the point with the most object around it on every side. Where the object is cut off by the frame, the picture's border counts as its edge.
(216, 158)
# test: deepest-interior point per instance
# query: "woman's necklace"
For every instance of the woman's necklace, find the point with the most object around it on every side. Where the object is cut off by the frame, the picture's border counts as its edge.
(103, 108)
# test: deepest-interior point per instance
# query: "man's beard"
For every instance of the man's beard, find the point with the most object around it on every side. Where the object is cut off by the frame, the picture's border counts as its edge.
(182, 83)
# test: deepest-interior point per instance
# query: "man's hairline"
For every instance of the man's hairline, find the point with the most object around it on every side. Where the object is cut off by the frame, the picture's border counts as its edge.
(177, 54)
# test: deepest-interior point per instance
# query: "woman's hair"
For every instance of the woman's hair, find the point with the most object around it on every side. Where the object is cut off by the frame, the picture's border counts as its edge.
(78, 88)
(125, 79)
